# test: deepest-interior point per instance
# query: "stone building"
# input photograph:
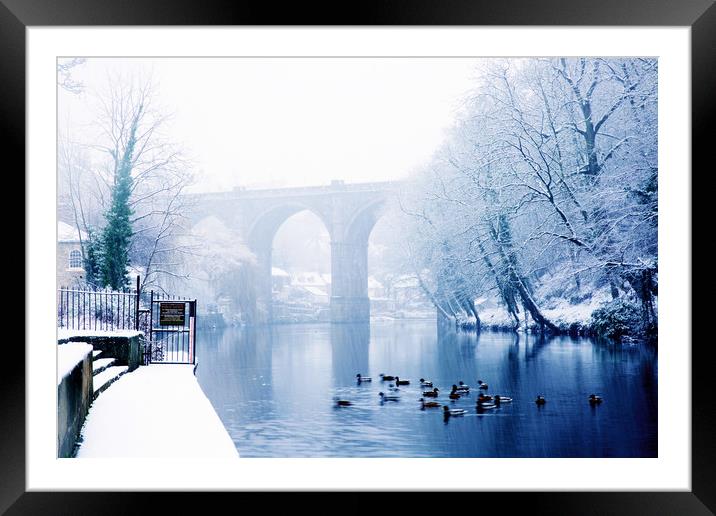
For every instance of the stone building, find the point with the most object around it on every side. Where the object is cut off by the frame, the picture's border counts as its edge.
(70, 267)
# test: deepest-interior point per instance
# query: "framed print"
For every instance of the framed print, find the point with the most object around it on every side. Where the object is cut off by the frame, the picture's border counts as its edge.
(420, 250)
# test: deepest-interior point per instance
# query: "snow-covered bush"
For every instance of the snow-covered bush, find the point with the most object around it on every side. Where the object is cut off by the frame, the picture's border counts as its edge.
(617, 319)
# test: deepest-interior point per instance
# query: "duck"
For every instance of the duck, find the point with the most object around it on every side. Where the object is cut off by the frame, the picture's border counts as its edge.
(540, 400)
(453, 412)
(431, 394)
(462, 387)
(393, 388)
(594, 399)
(485, 405)
(428, 404)
(362, 378)
(425, 383)
(386, 377)
(398, 381)
(342, 403)
(454, 394)
(502, 399)
(481, 384)
(388, 397)
(483, 397)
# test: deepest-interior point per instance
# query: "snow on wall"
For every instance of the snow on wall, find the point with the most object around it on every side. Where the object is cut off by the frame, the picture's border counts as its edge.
(65, 333)
(68, 356)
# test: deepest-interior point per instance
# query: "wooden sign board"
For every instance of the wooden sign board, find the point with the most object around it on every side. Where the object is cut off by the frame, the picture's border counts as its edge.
(172, 314)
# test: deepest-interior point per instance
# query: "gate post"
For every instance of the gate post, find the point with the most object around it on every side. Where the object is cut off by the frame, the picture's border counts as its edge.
(192, 331)
(136, 307)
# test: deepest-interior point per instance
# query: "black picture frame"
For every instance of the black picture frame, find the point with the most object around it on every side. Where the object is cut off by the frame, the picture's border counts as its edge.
(700, 15)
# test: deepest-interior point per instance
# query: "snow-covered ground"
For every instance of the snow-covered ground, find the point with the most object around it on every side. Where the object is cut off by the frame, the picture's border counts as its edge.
(68, 356)
(65, 333)
(158, 410)
(559, 311)
(497, 317)
(564, 313)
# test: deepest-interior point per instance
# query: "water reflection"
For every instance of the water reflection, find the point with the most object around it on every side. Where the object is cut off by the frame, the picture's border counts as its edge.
(349, 351)
(274, 387)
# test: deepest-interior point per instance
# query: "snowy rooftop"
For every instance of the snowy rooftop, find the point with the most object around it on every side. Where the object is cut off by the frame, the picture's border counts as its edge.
(309, 278)
(67, 233)
(374, 283)
(176, 421)
(315, 291)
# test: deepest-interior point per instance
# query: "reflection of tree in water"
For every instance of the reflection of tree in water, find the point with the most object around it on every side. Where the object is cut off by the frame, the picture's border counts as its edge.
(535, 344)
(464, 362)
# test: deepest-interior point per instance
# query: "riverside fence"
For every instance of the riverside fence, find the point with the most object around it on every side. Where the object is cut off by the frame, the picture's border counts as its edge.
(168, 323)
(99, 309)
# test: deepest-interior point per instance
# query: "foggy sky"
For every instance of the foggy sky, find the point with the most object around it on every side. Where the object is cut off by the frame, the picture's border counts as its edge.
(291, 121)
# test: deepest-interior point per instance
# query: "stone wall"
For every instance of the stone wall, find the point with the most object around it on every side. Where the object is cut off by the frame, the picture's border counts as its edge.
(127, 349)
(66, 276)
(74, 396)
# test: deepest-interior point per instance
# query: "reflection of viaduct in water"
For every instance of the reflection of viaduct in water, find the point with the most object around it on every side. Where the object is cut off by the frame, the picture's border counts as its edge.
(349, 212)
(350, 345)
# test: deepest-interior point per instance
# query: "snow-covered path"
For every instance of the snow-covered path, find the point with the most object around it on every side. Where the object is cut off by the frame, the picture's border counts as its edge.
(158, 410)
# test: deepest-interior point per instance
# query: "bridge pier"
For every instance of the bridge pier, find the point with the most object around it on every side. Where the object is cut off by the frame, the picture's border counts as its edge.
(349, 282)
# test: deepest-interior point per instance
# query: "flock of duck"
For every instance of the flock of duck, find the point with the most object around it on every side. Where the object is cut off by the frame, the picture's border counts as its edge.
(484, 401)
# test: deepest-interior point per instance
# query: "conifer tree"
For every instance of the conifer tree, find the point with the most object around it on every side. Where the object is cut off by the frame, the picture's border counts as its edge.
(117, 233)
(93, 259)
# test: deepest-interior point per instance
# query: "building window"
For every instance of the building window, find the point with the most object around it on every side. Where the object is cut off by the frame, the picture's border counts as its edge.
(75, 259)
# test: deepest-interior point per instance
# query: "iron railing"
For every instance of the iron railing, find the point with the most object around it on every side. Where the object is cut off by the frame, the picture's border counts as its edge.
(129, 309)
(98, 309)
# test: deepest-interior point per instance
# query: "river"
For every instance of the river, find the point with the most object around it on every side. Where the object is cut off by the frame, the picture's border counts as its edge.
(273, 388)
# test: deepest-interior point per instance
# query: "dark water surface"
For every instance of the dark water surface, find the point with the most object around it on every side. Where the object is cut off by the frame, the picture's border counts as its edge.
(273, 388)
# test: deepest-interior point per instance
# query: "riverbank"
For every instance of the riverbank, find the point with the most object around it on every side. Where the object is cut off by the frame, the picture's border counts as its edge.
(596, 316)
(158, 410)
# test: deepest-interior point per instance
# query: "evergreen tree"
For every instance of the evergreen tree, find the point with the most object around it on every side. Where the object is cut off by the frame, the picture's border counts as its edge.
(117, 234)
(93, 259)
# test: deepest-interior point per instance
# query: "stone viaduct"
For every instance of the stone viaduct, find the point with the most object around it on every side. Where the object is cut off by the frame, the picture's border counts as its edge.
(348, 210)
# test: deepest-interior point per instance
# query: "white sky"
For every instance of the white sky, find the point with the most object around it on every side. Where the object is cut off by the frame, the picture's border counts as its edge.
(294, 121)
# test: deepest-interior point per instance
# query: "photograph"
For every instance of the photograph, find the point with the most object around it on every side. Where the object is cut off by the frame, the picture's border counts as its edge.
(357, 257)
(417, 250)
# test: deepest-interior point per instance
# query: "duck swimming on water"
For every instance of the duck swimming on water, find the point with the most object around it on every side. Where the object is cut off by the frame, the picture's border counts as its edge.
(594, 399)
(425, 383)
(431, 394)
(486, 405)
(540, 400)
(453, 412)
(462, 387)
(398, 381)
(386, 377)
(342, 403)
(482, 385)
(388, 397)
(363, 378)
(428, 404)
(454, 394)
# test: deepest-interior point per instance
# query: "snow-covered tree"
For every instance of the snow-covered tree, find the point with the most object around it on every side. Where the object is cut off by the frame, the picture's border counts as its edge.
(545, 189)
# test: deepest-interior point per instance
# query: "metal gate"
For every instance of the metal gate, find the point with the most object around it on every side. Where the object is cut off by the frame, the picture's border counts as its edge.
(172, 336)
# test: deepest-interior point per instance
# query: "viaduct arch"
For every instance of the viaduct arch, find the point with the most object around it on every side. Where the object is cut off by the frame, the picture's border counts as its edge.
(349, 212)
